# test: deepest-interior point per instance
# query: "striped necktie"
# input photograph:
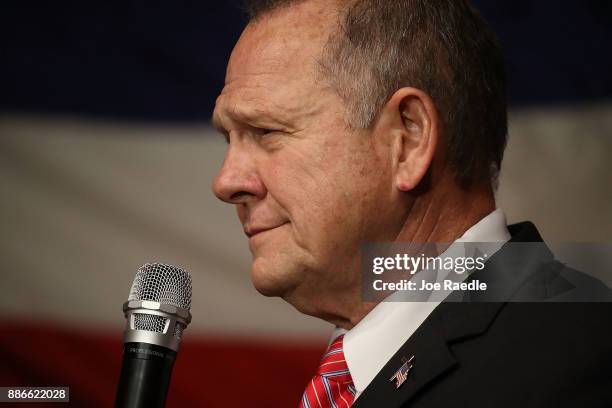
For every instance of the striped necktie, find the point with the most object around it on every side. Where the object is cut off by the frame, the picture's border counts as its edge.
(332, 386)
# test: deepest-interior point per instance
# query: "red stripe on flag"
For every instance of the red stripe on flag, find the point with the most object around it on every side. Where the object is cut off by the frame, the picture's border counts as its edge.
(210, 372)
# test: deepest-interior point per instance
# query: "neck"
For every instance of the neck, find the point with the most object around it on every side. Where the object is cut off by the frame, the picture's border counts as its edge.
(439, 215)
(445, 215)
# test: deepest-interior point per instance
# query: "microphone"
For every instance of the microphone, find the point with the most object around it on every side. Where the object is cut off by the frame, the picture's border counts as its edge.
(157, 312)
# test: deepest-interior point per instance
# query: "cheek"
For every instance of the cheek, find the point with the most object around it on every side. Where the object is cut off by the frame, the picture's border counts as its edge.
(311, 183)
(298, 180)
(307, 190)
(323, 197)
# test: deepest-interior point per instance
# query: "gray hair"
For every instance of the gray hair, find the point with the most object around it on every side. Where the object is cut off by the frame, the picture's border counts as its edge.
(442, 47)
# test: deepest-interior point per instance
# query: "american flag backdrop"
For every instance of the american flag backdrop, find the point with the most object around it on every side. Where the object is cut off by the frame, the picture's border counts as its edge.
(106, 162)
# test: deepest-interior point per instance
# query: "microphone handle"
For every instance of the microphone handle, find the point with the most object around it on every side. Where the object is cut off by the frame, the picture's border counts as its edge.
(145, 376)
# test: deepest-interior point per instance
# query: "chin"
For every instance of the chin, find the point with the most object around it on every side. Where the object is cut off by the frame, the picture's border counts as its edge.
(272, 279)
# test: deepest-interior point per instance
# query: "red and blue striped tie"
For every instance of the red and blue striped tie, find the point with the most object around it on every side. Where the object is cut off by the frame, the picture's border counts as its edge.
(332, 386)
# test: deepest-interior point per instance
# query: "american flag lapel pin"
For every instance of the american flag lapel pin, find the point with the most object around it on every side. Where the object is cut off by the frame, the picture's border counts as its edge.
(401, 375)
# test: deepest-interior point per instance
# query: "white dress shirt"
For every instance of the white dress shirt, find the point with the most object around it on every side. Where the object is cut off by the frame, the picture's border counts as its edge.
(379, 335)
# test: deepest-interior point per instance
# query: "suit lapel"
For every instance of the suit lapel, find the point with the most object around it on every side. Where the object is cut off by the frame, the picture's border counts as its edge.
(432, 356)
(451, 322)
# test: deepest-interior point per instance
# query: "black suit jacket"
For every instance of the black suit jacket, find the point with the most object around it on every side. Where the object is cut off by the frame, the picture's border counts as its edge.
(548, 353)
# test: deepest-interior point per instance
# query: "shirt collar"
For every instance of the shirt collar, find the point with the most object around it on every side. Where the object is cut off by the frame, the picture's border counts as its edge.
(377, 337)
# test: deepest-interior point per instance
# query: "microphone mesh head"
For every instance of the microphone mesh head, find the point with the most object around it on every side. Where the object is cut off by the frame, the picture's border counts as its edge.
(162, 283)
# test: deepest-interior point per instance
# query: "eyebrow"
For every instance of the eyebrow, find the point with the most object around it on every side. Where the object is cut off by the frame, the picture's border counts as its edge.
(251, 116)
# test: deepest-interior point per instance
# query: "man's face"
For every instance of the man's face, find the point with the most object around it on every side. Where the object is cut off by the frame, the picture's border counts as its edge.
(308, 190)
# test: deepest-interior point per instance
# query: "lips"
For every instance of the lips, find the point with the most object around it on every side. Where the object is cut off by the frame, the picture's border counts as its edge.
(251, 231)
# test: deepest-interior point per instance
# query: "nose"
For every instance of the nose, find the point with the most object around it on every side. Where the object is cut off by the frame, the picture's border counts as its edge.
(238, 181)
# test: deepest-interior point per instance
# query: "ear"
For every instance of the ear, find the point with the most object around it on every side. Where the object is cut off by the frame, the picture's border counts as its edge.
(411, 119)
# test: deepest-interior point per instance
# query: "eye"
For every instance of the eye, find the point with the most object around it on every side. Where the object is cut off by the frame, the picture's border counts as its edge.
(265, 132)
(270, 139)
(225, 136)
(269, 135)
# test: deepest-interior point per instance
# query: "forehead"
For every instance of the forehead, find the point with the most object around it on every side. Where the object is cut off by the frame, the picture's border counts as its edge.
(275, 59)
